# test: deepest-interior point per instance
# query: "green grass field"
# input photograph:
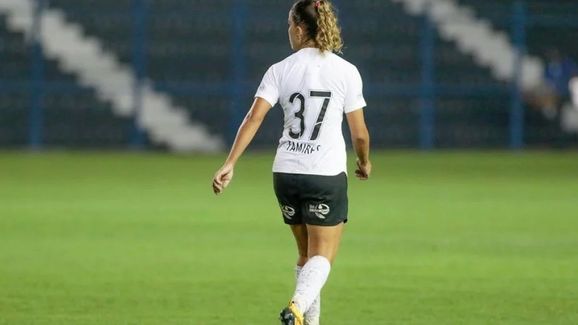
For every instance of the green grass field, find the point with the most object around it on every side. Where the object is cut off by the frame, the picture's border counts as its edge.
(441, 238)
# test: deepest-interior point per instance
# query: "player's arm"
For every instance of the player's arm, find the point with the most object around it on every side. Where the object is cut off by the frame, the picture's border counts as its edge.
(245, 134)
(360, 140)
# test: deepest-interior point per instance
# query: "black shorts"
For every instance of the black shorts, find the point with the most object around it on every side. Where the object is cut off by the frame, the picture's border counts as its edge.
(312, 199)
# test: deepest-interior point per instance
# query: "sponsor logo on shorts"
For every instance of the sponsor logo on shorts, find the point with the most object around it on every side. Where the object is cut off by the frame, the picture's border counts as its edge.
(320, 210)
(288, 211)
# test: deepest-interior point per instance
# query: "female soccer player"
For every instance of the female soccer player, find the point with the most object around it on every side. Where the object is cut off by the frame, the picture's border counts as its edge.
(315, 88)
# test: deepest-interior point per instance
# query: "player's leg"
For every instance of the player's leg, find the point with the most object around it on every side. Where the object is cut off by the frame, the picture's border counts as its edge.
(301, 238)
(324, 211)
(324, 241)
(323, 207)
(290, 315)
(322, 248)
(288, 197)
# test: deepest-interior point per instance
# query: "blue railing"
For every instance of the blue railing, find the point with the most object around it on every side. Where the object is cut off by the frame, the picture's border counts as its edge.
(517, 108)
(141, 11)
(427, 88)
(35, 123)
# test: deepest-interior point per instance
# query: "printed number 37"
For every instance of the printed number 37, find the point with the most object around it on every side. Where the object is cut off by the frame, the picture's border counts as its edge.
(300, 114)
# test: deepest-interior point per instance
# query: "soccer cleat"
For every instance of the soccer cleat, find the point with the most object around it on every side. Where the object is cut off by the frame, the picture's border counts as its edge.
(291, 315)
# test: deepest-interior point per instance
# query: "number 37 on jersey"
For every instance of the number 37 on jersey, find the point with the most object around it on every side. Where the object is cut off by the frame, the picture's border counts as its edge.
(303, 123)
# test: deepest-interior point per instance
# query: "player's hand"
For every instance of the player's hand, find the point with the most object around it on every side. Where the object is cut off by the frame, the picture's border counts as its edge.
(222, 178)
(363, 170)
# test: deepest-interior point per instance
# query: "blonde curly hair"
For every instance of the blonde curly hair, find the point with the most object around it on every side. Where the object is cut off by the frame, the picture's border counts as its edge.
(320, 21)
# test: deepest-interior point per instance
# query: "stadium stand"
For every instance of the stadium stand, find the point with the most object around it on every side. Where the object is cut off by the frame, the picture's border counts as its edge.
(209, 56)
(181, 54)
(392, 59)
(73, 116)
(551, 25)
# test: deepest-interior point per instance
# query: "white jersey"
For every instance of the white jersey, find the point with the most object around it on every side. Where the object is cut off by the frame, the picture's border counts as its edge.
(314, 89)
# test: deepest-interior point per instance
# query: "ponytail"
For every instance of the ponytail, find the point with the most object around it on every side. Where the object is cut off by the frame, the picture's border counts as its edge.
(320, 20)
(328, 34)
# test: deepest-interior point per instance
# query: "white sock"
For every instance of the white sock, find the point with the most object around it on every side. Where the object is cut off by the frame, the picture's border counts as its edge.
(312, 315)
(311, 279)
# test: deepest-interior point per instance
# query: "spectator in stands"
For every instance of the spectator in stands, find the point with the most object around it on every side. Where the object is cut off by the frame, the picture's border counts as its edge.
(560, 69)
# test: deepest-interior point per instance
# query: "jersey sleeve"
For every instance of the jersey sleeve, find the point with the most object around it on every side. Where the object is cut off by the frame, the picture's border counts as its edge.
(354, 99)
(269, 87)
